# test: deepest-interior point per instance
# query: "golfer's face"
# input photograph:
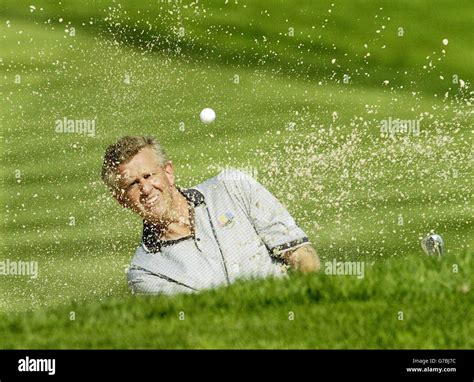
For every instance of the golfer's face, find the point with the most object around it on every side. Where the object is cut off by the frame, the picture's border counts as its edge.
(146, 187)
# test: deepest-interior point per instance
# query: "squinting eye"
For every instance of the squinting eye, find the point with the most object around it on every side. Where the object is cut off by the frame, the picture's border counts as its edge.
(148, 175)
(132, 185)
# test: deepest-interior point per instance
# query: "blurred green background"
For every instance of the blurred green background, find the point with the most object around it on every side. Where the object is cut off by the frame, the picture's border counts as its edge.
(301, 90)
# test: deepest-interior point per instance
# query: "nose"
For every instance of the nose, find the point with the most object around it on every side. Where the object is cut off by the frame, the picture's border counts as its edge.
(145, 187)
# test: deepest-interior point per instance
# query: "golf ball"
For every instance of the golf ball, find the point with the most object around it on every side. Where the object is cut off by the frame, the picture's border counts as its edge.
(433, 245)
(207, 115)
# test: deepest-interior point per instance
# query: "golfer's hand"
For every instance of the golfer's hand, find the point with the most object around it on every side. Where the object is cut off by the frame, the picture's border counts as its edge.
(303, 259)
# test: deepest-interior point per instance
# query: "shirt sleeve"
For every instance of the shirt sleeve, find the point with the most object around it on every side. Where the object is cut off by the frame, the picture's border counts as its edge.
(141, 281)
(271, 220)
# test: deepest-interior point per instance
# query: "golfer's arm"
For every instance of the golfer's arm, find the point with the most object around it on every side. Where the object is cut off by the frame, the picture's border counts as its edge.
(303, 259)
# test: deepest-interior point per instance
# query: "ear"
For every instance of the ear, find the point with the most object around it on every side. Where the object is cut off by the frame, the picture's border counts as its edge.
(169, 172)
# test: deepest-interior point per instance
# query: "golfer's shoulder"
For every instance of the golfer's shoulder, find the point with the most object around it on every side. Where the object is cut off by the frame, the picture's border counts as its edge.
(232, 179)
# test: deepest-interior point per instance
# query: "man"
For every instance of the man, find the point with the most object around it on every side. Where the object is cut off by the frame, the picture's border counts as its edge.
(227, 228)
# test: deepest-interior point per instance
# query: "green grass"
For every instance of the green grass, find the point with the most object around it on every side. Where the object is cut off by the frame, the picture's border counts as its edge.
(346, 185)
(415, 303)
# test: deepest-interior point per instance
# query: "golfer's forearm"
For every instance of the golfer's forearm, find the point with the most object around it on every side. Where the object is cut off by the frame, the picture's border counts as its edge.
(303, 259)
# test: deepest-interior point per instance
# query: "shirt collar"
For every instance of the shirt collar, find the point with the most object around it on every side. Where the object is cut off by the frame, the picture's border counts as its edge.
(150, 238)
(193, 196)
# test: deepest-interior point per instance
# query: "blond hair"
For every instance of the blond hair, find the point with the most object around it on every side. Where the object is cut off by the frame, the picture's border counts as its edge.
(123, 151)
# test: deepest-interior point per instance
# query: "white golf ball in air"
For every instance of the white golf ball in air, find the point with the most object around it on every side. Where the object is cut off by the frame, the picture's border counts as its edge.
(207, 115)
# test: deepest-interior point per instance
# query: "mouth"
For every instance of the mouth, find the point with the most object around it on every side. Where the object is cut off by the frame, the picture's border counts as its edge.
(150, 202)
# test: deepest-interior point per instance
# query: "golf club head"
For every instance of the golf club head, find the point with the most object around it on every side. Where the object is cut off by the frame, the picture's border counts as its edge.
(433, 245)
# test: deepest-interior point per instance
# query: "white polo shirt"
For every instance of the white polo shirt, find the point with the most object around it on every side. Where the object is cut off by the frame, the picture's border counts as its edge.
(240, 231)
